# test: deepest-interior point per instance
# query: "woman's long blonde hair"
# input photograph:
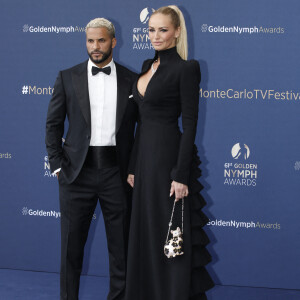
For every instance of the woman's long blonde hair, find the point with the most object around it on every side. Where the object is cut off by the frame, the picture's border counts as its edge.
(177, 19)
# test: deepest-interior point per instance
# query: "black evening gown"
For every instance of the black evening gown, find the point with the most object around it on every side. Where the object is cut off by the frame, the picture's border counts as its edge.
(161, 154)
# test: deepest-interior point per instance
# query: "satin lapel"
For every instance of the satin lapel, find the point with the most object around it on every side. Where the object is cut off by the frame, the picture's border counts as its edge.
(80, 83)
(123, 86)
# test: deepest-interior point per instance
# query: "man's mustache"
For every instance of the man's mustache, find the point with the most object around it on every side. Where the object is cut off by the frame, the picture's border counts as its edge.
(97, 52)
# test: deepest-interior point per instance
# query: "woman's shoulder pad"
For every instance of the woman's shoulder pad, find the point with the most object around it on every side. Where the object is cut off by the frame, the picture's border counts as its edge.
(191, 66)
(191, 63)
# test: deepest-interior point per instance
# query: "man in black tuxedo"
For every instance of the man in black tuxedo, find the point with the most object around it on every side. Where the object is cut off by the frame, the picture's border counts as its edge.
(92, 163)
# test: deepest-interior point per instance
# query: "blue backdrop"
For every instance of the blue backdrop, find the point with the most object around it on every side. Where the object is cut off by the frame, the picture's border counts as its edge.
(248, 130)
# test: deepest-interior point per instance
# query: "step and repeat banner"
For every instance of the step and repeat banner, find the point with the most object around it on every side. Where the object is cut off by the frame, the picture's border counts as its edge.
(248, 131)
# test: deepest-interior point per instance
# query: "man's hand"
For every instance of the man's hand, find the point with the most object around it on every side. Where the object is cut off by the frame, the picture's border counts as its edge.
(57, 174)
(130, 180)
(181, 190)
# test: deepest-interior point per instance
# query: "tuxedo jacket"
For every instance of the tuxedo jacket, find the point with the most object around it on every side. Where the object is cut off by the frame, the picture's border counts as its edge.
(71, 99)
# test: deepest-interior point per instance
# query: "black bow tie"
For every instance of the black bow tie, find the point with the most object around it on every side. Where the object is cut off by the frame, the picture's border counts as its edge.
(96, 70)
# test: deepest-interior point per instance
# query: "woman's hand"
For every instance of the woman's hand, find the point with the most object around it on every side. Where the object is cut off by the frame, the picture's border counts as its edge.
(181, 190)
(130, 180)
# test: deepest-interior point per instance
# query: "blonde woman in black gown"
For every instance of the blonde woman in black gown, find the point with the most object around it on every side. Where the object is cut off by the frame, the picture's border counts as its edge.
(164, 165)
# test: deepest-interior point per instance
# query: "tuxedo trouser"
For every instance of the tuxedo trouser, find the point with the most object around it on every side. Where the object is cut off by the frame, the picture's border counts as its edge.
(78, 201)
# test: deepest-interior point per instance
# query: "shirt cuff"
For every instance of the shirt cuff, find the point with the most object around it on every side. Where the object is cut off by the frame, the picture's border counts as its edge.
(56, 171)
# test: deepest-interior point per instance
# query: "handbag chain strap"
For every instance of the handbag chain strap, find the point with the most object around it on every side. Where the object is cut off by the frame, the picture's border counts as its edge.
(170, 223)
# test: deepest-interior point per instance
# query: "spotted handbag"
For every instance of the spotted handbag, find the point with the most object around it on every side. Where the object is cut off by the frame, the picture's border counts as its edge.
(173, 247)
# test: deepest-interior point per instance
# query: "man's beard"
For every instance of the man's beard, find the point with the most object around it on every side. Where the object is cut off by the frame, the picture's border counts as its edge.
(105, 56)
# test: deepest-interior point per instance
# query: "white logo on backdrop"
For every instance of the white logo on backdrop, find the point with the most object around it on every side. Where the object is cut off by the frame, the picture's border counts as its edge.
(240, 151)
(25, 28)
(204, 27)
(145, 14)
(297, 166)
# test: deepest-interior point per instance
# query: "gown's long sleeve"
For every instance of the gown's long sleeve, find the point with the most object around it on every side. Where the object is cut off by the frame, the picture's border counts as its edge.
(189, 100)
(134, 151)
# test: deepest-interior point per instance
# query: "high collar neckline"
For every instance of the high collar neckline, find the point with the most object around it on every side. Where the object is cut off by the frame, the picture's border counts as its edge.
(163, 54)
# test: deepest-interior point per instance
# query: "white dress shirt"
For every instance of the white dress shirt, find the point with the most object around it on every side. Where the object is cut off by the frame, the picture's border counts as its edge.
(103, 103)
